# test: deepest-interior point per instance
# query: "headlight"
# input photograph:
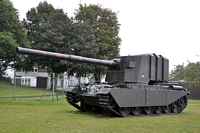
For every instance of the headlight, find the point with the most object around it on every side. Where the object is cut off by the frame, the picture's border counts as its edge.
(84, 89)
(97, 89)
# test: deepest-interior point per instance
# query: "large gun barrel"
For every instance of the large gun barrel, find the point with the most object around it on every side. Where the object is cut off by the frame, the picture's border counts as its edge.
(67, 57)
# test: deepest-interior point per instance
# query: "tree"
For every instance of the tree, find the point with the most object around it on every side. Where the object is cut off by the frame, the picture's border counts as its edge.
(34, 19)
(55, 35)
(189, 73)
(9, 22)
(106, 28)
(83, 45)
(178, 73)
(59, 34)
(12, 35)
(7, 51)
(50, 29)
(192, 73)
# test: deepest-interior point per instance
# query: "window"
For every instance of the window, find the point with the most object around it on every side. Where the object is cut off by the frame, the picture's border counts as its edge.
(35, 69)
(26, 81)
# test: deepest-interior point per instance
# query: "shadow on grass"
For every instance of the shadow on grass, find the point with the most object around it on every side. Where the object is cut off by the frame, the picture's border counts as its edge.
(94, 114)
(109, 115)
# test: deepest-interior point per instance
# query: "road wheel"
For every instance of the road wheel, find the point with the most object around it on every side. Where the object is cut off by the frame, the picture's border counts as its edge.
(136, 110)
(125, 111)
(148, 110)
(175, 107)
(158, 110)
(166, 109)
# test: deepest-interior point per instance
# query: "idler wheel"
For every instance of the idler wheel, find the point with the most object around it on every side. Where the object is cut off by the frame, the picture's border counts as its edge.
(158, 110)
(136, 110)
(175, 107)
(148, 110)
(182, 101)
(124, 111)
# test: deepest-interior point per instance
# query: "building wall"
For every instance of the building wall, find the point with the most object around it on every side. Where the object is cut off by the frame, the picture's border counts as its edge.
(30, 78)
(28, 81)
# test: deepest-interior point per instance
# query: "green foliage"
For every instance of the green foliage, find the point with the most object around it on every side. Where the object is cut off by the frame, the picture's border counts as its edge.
(12, 35)
(55, 35)
(192, 73)
(106, 29)
(6, 79)
(177, 73)
(92, 33)
(189, 73)
(83, 45)
(34, 19)
(7, 51)
(59, 34)
(50, 29)
(9, 22)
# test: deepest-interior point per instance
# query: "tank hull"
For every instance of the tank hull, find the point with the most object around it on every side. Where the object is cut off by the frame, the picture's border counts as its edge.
(116, 99)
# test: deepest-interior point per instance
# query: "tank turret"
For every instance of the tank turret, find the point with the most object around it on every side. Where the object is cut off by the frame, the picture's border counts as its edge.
(145, 68)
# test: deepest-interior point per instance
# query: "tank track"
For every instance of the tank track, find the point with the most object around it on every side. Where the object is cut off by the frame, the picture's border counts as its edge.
(183, 107)
(70, 99)
(106, 104)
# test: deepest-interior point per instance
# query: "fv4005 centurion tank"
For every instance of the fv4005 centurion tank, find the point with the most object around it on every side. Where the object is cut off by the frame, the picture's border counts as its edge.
(136, 85)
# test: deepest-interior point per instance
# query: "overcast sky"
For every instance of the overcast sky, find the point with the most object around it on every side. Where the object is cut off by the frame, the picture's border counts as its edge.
(166, 27)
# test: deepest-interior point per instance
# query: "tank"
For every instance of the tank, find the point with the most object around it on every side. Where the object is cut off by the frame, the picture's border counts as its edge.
(135, 85)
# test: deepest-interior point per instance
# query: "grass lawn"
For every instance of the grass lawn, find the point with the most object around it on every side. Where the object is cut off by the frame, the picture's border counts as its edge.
(45, 116)
(7, 89)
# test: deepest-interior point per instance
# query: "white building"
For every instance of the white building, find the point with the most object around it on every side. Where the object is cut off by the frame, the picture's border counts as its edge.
(41, 79)
(33, 79)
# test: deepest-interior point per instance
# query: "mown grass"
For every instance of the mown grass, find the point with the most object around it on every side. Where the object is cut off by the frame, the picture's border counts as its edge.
(45, 116)
(7, 89)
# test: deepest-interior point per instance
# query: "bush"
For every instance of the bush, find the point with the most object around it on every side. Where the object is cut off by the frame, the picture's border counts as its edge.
(7, 79)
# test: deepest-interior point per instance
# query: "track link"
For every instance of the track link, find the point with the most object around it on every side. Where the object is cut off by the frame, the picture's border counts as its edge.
(104, 103)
